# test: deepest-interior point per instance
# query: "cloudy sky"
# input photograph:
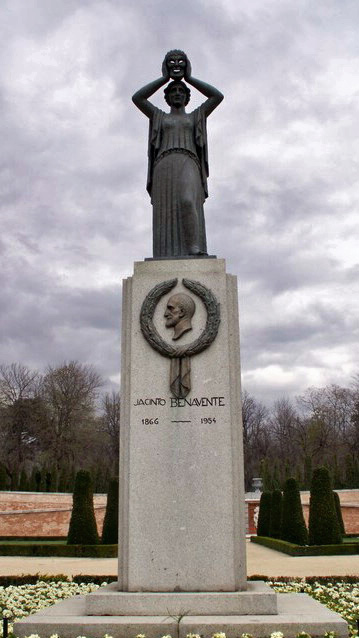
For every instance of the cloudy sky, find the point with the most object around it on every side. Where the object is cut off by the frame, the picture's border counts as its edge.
(284, 189)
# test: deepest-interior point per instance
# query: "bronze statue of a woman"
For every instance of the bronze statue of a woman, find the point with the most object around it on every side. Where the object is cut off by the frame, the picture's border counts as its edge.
(177, 159)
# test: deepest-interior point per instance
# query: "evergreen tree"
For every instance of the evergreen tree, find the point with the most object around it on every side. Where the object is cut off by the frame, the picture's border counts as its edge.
(307, 472)
(83, 528)
(48, 481)
(287, 471)
(99, 481)
(55, 479)
(264, 514)
(63, 480)
(351, 472)
(14, 481)
(110, 524)
(265, 475)
(276, 514)
(3, 478)
(71, 480)
(338, 510)
(38, 480)
(293, 525)
(24, 482)
(323, 520)
(276, 481)
(337, 474)
(299, 478)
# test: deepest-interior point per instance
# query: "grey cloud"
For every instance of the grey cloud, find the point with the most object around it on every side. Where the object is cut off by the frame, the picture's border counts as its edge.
(75, 214)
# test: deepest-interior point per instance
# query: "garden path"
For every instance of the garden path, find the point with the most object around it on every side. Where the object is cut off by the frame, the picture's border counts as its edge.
(261, 560)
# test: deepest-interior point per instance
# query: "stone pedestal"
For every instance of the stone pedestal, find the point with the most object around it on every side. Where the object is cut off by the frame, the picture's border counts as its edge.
(181, 469)
(182, 563)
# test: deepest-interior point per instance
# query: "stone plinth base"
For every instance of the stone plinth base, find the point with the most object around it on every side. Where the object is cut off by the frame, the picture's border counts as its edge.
(259, 598)
(296, 612)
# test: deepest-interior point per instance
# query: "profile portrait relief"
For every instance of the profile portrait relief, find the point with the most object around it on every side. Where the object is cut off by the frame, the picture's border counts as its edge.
(178, 314)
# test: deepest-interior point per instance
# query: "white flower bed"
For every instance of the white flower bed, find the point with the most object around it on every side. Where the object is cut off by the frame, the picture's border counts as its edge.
(19, 601)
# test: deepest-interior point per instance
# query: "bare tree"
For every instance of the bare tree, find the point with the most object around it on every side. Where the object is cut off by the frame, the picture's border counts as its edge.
(110, 423)
(21, 415)
(17, 382)
(255, 435)
(70, 391)
(283, 422)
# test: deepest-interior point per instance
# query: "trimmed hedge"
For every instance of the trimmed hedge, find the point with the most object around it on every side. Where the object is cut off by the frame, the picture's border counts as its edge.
(58, 549)
(344, 549)
(323, 520)
(264, 513)
(338, 510)
(83, 527)
(110, 524)
(293, 529)
(276, 514)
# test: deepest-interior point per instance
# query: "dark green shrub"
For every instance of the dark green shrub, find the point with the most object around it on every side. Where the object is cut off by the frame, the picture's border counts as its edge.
(351, 471)
(275, 525)
(83, 528)
(32, 481)
(55, 479)
(98, 580)
(38, 481)
(14, 481)
(58, 549)
(265, 474)
(48, 482)
(338, 510)
(293, 525)
(344, 549)
(110, 524)
(323, 520)
(264, 514)
(3, 478)
(307, 472)
(24, 482)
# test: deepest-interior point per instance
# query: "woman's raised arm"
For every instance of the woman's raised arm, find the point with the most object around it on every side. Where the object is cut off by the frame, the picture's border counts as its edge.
(214, 96)
(140, 97)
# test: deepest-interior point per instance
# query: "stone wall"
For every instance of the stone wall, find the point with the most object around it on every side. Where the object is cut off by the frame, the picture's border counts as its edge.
(48, 514)
(41, 514)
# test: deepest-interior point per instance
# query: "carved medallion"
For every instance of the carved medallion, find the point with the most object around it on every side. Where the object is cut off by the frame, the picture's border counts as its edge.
(178, 315)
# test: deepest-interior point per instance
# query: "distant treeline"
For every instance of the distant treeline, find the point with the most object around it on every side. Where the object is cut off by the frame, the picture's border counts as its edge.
(293, 438)
(56, 423)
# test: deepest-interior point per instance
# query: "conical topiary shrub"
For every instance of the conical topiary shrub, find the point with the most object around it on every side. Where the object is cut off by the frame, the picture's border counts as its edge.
(338, 510)
(293, 525)
(275, 526)
(323, 520)
(264, 514)
(110, 524)
(83, 528)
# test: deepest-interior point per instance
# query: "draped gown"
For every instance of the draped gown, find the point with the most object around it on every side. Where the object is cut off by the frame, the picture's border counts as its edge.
(177, 182)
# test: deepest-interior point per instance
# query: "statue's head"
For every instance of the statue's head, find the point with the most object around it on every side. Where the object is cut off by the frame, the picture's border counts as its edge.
(176, 62)
(178, 314)
(173, 89)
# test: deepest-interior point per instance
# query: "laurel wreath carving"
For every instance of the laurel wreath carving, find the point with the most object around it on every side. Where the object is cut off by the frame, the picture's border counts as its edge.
(205, 339)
